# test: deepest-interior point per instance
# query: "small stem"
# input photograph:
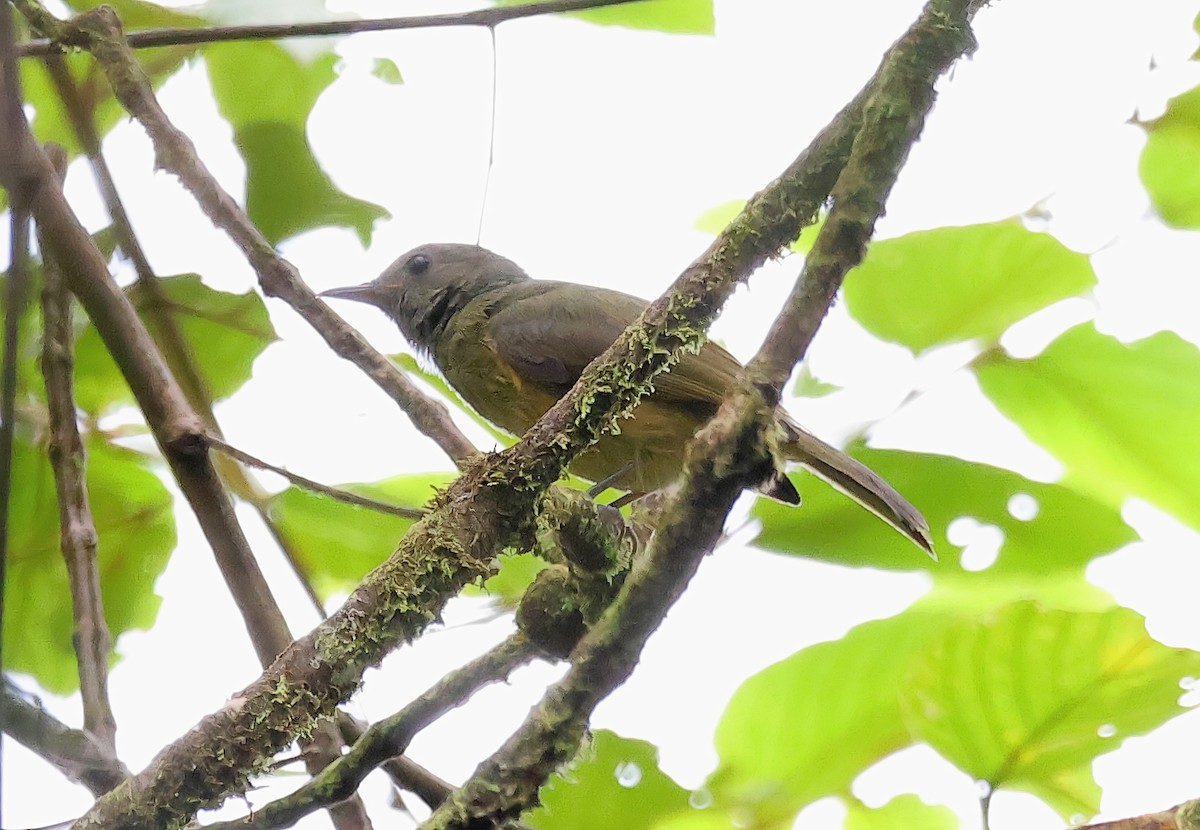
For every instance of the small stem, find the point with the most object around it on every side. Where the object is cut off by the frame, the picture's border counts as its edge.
(216, 34)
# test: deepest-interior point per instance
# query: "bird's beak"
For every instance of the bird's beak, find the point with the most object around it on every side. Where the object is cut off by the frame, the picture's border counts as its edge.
(365, 293)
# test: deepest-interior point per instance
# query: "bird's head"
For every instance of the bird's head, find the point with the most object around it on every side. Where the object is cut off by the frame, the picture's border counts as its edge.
(426, 287)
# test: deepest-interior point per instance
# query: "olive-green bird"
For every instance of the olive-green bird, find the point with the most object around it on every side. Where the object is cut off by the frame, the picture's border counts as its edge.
(512, 346)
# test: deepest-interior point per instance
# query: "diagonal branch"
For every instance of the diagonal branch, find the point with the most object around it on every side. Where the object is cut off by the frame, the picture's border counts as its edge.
(76, 753)
(216, 34)
(388, 738)
(731, 451)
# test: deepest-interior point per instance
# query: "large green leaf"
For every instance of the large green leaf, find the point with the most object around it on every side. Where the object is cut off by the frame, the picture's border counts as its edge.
(1068, 528)
(1168, 164)
(266, 94)
(806, 726)
(335, 544)
(961, 283)
(136, 532)
(680, 17)
(619, 773)
(224, 333)
(1122, 417)
(1028, 697)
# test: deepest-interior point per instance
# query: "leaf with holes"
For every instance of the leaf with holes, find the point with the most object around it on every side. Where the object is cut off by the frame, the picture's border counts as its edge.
(1122, 417)
(1067, 530)
(620, 773)
(1027, 698)
(805, 727)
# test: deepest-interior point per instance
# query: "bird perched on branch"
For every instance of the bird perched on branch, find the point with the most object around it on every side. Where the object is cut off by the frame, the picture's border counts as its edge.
(512, 346)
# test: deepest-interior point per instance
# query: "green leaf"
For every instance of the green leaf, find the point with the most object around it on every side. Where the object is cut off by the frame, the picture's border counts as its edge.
(619, 773)
(335, 544)
(679, 17)
(386, 70)
(136, 531)
(952, 284)
(266, 94)
(805, 727)
(1168, 165)
(1028, 697)
(903, 812)
(1069, 529)
(1121, 417)
(223, 332)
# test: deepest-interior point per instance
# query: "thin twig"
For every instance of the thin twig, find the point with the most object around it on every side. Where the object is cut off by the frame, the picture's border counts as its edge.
(215, 34)
(68, 461)
(388, 738)
(343, 496)
(76, 753)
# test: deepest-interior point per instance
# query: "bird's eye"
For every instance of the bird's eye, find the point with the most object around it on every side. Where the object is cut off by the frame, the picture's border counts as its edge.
(418, 264)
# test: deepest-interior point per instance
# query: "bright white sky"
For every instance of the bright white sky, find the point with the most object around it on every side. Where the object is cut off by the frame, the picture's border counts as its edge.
(609, 145)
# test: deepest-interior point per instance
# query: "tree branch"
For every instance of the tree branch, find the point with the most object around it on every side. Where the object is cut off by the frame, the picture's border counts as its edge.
(388, 738)
(76, 753)
(216, 34)
(68, 460)
(344, 496)
(1185, 816)
(901, 99)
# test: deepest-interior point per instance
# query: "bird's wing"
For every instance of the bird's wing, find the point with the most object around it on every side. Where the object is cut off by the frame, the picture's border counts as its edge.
(549, 332)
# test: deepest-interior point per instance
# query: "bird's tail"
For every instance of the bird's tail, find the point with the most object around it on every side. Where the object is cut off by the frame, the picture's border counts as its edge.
(858, 482)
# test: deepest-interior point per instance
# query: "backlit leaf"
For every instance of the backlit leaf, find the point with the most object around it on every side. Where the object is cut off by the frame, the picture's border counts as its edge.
(960, 283)
(1122, 417)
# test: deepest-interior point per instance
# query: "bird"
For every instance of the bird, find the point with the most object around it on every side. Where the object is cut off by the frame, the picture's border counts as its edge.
(511, 346)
